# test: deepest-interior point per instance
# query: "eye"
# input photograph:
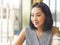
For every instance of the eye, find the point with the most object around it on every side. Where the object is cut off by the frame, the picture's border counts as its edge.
(32, 15)
(38, 15)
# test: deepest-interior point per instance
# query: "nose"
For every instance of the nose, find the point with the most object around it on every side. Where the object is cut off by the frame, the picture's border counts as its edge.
(35, 18)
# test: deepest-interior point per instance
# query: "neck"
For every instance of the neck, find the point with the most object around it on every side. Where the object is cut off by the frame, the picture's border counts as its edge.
(40, 29)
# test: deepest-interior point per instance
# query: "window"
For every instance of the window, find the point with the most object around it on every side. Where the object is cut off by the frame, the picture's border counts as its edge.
(9, 10)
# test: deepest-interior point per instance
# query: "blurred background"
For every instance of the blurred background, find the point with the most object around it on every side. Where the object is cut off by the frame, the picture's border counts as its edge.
(14, 15)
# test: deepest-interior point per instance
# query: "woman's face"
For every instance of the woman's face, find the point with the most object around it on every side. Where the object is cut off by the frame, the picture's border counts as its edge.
(37, 17)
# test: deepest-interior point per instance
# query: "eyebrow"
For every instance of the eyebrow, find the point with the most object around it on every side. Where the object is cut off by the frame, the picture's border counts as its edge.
(36, 13)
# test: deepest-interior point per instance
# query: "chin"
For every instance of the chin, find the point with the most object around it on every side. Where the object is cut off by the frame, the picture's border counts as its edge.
(36, 26)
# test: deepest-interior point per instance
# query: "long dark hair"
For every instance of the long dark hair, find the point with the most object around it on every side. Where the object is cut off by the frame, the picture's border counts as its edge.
(48, 16)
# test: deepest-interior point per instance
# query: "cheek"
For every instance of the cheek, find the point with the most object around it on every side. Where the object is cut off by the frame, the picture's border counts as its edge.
(42, 19)
(31, 19)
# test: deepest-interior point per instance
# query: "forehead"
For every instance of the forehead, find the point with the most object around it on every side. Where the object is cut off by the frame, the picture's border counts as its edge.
(36, 10)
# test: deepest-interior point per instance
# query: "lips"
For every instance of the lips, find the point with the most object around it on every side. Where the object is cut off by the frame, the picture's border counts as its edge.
(36, 23)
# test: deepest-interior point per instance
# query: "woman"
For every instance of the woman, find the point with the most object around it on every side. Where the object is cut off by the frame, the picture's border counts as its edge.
(40, 30)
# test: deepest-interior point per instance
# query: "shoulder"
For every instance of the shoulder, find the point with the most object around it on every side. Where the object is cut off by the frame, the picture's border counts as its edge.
(23, 31)
(55, 35)
(21, 37)
(55, 31)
